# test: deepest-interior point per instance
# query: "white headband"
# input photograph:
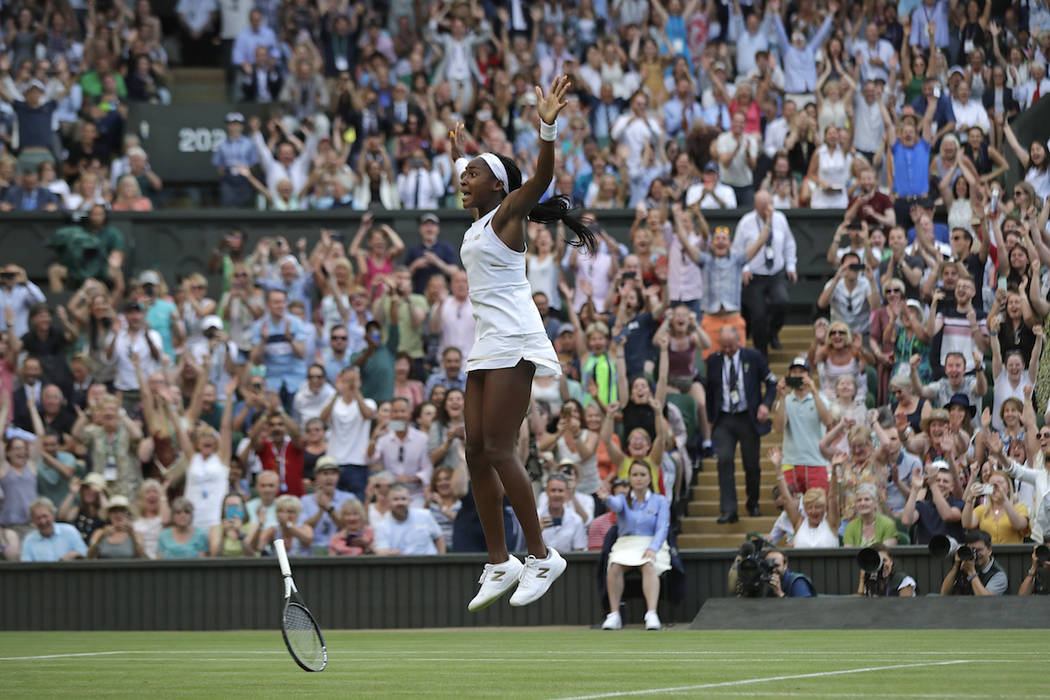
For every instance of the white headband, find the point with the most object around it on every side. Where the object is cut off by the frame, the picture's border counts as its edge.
(496, 166)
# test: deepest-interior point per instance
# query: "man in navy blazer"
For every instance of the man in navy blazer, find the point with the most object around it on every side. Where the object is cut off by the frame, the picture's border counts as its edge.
(740, 393)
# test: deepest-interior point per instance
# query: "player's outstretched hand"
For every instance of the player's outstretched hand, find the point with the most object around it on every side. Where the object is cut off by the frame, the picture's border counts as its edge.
(550, 105)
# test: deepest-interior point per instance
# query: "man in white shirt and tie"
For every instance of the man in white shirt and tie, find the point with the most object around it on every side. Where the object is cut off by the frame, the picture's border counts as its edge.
(1039, 85)
(418, 186)
(766, 277)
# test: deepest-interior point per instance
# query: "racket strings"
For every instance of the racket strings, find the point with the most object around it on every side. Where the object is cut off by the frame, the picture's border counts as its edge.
(302, 635)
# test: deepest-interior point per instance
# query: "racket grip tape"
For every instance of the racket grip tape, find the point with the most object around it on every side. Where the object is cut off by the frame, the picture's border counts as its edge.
(282, 557)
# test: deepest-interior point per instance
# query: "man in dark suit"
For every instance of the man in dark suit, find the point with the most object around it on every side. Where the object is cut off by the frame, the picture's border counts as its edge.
(264, 81)
(740, 392)
(1010, 105)
(30, 196)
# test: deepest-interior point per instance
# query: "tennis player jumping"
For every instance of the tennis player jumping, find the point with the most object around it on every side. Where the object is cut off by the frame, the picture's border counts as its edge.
(510, 347)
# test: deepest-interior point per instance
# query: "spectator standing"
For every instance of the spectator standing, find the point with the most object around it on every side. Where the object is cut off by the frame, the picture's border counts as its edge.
(768, 271)
(402, 451)
(737, 155)
(453, 316)
(279, 343)
(800, 413)
(311, 397)
(350, 414)
(738, 409)
(19, 295)
(431, 255)
(236, 152)
(276, 440)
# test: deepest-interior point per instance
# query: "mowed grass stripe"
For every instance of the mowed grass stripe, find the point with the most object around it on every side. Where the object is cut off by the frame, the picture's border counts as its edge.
(517, 662)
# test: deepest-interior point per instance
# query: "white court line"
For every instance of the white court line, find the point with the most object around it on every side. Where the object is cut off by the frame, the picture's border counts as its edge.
(767, 679)
(66, 656)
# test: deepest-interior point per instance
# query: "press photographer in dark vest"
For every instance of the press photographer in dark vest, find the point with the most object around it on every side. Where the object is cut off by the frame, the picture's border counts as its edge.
(883, 580)
(978, 574)
(1037, 581)
(785, 582)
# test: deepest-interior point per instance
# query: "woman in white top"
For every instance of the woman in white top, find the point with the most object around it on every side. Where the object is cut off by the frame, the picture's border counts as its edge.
(1035, 161)
(541, 267)
(829, 173)
(208, 455)
(817, 522)
(834, 101)
(194, 309)
(152, 514)
(510, 346)
(335, 293)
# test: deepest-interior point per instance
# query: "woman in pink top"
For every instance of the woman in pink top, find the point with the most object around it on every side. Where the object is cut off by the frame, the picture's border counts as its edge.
(378, 263)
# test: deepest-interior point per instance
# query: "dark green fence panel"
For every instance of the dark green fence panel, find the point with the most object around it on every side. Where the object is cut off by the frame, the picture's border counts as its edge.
(178, 242)
(394, 592)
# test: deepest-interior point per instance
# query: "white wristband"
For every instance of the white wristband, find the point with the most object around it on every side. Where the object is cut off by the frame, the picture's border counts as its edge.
(548, 132)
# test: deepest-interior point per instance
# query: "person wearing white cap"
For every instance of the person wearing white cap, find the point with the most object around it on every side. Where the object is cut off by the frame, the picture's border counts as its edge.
(510, 347)
(237, 151)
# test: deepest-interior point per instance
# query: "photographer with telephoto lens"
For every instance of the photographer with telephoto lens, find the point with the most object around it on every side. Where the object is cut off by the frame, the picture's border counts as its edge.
(1037, 581)
(975, 571)
(878, 576)
(786, 583)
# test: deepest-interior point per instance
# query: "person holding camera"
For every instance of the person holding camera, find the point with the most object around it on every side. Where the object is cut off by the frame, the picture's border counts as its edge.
(563, 528)
(975, 571)
(801, 414)
(816, 519)
(786, 583)
(643, 519)
(1005, 522)
(1038, 476)
(850, 296)
(1037, 581)
(885, 581)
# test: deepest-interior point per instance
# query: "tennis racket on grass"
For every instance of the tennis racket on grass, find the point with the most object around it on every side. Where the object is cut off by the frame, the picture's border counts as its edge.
(301, 634)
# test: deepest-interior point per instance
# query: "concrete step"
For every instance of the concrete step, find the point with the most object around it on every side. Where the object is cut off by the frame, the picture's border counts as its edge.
(710, 493)
(710, 478)
(708, 508)
(198, 85)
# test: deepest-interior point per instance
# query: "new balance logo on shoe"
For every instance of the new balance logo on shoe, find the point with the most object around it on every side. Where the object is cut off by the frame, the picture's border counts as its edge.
(543, 572)
(498, 575)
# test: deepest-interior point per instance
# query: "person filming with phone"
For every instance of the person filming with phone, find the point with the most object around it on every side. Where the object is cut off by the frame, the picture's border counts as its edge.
(562, 527)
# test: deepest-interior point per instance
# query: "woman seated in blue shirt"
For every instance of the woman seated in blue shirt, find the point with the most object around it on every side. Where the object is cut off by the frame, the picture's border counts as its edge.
(643, 518)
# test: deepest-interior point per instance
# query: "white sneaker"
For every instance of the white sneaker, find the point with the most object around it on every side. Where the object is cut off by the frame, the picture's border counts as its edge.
(496, 580)
(652, 620)
(537, 575)
(612, 622)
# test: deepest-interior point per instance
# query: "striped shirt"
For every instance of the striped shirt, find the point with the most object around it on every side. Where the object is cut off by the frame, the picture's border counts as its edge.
(723, 278)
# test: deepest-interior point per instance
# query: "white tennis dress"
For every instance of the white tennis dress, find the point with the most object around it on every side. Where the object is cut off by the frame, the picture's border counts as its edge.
(508, 327)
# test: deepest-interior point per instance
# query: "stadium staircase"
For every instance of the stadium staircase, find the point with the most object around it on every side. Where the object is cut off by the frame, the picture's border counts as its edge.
(699, 527)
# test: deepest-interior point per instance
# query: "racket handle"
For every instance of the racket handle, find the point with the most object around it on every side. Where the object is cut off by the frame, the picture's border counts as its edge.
(282, 557)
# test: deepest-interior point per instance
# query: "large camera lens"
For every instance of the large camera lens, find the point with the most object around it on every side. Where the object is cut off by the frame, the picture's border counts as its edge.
(965, 553)
(868, 559)
(1042, 553)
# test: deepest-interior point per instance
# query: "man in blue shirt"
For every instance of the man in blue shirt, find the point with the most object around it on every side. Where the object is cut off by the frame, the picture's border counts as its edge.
(431, 256)
(785, 582)
(909, 157)
(52, 541)
(279, 343)
(322, 509)
(230, 158)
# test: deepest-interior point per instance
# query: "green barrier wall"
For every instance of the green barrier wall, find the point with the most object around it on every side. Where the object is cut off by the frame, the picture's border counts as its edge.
(376, 592)
(178, 242)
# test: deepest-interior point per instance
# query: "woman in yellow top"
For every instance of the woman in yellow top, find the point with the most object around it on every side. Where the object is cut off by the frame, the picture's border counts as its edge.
(999, 516)
(640, 449)
(233, 536)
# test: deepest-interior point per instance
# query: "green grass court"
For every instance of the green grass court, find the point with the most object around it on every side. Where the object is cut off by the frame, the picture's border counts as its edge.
(531, 663)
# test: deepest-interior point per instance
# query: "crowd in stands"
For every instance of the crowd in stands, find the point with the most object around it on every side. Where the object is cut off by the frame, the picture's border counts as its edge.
(314, 391)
